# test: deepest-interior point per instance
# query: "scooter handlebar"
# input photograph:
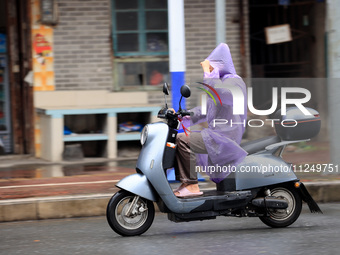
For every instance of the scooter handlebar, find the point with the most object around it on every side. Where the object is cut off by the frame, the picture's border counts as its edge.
(184, 113)
(171, 113)
(165, 113)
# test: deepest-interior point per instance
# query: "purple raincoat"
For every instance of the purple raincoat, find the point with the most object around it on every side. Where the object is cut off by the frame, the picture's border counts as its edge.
(221, 141)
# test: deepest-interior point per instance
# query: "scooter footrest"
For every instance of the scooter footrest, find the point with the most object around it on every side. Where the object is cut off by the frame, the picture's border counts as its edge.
(218, 201)
(186, 217)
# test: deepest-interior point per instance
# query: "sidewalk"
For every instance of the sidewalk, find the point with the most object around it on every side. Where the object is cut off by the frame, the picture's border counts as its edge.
(35, 189)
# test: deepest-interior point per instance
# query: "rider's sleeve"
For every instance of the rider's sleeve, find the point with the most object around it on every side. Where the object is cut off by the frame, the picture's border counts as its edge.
(215, 74)
(208, 78)
(195, 116)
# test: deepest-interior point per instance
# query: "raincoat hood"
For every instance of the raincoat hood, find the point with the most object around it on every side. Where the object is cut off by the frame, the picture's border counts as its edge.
(220, 58)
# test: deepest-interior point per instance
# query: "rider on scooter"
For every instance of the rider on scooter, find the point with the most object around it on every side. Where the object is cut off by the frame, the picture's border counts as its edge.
(217, 144)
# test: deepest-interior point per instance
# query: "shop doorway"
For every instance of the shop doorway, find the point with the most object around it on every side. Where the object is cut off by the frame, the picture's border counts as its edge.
(16, 95)
(5, 116)
(287, 59)
(296, 58)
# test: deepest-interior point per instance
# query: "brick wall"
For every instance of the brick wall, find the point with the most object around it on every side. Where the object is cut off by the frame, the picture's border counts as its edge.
(234, 36)
(82, 48)
(199, 34)
(200, 40)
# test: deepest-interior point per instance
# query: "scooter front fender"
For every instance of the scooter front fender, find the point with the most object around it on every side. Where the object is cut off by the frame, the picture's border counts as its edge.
(138, 184)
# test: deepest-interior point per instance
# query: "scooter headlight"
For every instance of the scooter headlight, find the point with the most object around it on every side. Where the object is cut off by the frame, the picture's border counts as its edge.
(144, 135)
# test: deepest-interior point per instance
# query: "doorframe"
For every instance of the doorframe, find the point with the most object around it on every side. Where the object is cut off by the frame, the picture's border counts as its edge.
(20, 63)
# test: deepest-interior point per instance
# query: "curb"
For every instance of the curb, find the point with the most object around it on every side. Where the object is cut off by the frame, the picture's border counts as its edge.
(10, 162)
(95, 205)
(53, 207)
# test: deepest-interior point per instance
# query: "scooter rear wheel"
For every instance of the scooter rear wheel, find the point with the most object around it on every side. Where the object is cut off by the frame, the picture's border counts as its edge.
(279, 218)
(139, 219)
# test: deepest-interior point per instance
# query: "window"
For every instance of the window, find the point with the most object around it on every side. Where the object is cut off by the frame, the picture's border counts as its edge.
(140, 27)
(142, 72)
(140, 41)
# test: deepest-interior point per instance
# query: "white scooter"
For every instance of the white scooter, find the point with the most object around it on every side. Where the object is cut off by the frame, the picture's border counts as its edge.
(276, 197)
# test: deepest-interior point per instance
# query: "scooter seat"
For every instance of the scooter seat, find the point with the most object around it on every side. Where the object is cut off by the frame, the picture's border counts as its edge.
(260, 144)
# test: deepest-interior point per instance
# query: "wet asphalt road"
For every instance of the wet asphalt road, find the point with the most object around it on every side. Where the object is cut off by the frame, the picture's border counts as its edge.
(311, 234)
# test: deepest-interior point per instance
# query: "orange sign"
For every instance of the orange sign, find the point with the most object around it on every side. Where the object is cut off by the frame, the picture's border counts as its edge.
(41, 46)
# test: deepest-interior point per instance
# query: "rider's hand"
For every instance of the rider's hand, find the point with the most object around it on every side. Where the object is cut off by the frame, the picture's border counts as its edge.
(207, 68)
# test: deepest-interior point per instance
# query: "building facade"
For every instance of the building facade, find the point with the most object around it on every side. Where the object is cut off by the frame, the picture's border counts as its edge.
(99, 52)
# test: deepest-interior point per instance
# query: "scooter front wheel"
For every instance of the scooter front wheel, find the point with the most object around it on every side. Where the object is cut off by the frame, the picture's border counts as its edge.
(279, 218)
(128, 214)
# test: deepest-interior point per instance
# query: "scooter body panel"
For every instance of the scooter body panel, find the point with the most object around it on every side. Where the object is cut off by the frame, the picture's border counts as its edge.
(150, 164)
(139, 185)
(262, 170)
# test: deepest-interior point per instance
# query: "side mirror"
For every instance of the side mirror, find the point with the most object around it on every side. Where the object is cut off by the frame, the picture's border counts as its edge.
(166, 88)
(185, 91)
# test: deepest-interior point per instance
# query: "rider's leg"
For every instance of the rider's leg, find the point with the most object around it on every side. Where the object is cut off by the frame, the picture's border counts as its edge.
(186, 159)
